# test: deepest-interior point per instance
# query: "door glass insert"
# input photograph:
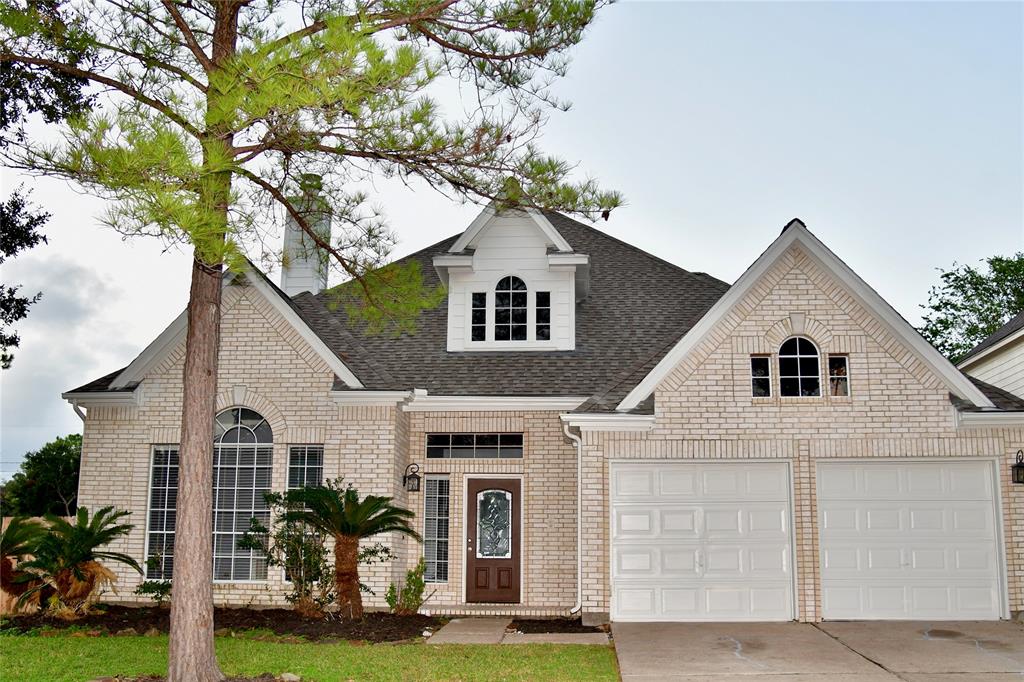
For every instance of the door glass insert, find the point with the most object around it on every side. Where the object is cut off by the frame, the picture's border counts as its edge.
(494, 524)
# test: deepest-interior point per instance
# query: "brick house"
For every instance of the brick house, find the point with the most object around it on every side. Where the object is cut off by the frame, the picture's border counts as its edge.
(597, 431)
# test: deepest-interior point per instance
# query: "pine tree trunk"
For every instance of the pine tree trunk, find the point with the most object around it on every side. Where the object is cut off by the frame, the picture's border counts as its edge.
(346, 576)
(191, 657)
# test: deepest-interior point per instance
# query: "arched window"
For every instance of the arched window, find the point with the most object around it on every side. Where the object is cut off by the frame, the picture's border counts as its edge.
(799, 373)
(243, 454)
(510, 306)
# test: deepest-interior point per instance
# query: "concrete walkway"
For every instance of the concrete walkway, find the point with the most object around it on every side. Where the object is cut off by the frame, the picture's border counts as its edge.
(493, 631)
(471, 631)
(836, 652)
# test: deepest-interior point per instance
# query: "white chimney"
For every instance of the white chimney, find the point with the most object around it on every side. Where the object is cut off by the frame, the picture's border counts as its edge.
(305, 265)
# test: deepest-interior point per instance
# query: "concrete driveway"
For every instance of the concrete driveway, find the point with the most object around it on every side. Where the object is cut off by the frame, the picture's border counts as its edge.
(838, 652)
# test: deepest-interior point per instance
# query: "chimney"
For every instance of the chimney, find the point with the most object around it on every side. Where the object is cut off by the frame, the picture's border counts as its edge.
(305, 265)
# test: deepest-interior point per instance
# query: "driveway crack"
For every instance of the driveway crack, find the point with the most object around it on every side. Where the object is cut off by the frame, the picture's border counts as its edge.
(854, 651)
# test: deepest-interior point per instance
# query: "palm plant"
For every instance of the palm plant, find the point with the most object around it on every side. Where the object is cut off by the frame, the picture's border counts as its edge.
(18, 540)
(67, 558)
(339, 512)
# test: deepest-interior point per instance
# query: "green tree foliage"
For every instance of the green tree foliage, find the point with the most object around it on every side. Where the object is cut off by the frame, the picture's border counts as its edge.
(337, 511)
(209, 113)
(55, 96)
(67, 559)
(19, 231)
(48, 480)
(973, 302)
(208, 149)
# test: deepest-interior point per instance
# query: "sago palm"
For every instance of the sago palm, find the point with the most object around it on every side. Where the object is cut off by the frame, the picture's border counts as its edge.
(17, 540)
(67, 558)
(340, 513)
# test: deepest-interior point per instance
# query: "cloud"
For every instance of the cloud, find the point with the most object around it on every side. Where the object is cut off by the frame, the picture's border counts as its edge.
(59, 349)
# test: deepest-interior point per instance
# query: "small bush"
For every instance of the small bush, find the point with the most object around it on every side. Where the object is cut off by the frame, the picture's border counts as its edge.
(407, 600)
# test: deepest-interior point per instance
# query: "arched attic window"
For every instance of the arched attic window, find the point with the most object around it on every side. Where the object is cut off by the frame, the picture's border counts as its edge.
(799, 368)
(510, 309)
(243, 453)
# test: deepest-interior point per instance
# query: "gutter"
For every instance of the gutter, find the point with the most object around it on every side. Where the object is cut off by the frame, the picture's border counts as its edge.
(578, 444)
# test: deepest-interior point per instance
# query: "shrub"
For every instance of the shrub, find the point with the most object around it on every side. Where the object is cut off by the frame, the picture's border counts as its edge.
(67, 560)
(408, 599)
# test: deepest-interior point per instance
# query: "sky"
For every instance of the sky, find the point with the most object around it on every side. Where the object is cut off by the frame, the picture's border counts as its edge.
(895, 131)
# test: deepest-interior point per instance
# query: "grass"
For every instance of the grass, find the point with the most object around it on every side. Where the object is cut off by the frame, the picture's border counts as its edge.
(61, 658)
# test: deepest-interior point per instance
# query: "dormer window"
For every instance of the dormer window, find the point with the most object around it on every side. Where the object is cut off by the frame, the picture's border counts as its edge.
(510, 309)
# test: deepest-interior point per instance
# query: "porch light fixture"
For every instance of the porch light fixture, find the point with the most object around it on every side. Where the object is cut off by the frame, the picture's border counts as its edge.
(1018, 469)
(411, 479)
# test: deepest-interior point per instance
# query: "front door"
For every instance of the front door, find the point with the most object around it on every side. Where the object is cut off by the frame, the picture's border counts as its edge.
(492, 540)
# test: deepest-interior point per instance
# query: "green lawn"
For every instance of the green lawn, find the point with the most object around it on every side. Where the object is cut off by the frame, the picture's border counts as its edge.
(75, 659)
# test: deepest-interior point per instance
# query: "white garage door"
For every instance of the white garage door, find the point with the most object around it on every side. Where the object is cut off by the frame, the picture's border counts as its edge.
(701, 541)
(908, 540)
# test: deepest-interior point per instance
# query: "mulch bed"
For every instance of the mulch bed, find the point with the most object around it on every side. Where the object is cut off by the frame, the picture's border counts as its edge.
(126, 620)
(543, 626)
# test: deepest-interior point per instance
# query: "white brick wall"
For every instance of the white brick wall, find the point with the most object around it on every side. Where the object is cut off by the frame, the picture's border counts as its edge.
(897, 408)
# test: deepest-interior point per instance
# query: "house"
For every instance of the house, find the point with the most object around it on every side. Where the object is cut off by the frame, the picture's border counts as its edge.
(597, 431)
(999, 358)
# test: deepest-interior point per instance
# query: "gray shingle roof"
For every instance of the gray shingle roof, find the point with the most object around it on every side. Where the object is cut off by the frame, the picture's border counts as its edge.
(638, 305)
(1015, 324)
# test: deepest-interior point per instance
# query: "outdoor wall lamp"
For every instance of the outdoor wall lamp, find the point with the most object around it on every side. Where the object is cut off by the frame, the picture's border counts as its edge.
(411, 479)
(1018, 469)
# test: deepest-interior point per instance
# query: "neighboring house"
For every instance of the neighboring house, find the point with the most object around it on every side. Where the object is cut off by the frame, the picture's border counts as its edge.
(598, 430)
(999, 359)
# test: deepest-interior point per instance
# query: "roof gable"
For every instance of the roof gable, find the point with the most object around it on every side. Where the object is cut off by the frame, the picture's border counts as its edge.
(175, 334)
(486, 219)
(797, 233)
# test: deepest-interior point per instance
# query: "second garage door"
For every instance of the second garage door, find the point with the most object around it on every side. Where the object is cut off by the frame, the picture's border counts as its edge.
(908, 540)
(701, 541)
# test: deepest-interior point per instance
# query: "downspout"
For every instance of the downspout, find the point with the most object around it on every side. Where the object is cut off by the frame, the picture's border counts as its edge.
(78, 410)
(578, 443)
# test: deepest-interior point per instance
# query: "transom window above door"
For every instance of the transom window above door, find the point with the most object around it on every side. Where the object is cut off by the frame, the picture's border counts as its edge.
(474, 445)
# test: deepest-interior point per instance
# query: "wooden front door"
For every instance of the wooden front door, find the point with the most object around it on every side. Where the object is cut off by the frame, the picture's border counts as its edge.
(492, 540)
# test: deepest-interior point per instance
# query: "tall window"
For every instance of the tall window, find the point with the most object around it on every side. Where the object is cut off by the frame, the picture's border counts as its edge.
(838, 376)
(163, 497)
(799, 373)
(478, 322)
(305, 466)
(510, 305)
(760, 376)
(435, 530)
(242, 464)
(543, 315)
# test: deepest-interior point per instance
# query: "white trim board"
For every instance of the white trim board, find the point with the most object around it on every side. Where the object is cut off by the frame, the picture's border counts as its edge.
(480, 223)
(995, 348)
(797, 232)
(421, 402)
(610, 422)
(175, 333)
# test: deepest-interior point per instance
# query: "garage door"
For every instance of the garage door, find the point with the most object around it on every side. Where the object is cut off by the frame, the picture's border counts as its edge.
(908, 540)
(701, 541)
